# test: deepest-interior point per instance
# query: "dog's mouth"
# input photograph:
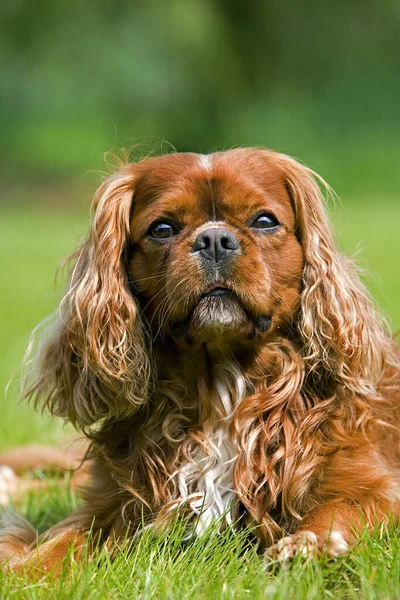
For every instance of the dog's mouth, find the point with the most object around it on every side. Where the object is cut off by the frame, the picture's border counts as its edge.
(217, 291)
(220, 312)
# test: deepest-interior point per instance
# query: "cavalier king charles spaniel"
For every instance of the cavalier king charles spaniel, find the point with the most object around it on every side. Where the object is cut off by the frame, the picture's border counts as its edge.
(223, 360)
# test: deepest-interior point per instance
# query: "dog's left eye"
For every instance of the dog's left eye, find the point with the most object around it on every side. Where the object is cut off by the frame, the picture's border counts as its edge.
(265, 221)
(162, 231)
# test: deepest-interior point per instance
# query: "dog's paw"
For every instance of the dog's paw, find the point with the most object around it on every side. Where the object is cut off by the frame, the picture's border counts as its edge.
(305, 543)
(309, 545)
(334, 543)
(8, 484)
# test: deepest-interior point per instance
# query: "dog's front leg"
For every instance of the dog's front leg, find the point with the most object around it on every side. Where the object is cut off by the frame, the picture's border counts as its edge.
(330, 529)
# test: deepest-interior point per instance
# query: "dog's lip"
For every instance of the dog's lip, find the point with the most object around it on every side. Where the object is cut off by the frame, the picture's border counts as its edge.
(216, 290)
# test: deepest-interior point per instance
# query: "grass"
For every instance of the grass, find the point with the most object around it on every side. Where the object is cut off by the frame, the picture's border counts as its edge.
(32, 242)
(215, 566)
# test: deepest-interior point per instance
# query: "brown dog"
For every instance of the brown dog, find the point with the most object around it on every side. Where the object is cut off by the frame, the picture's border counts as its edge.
(222, 357)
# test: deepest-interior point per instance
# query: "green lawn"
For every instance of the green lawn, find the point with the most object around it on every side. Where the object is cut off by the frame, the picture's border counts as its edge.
(32, 244)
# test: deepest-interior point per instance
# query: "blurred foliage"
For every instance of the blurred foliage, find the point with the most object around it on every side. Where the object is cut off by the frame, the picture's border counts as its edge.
(318, 80)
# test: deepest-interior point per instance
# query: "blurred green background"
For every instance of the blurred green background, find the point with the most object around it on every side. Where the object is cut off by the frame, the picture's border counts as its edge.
(317, 80)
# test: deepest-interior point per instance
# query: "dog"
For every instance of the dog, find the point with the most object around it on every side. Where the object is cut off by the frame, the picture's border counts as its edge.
(223, 360)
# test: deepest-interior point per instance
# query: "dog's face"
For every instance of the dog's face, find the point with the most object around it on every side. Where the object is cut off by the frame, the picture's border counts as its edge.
(214, 255)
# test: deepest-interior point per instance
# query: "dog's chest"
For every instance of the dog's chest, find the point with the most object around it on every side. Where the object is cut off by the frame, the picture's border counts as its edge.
(206, 482)
(205, 479)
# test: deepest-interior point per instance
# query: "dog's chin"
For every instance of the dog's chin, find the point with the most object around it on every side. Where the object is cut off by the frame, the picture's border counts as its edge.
(218, 315)
(219, 318)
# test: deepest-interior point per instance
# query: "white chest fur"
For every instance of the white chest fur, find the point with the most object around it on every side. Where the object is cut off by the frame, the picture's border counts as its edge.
(205, 479)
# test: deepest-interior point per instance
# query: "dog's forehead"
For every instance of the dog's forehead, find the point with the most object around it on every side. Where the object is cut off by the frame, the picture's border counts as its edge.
(203, 185)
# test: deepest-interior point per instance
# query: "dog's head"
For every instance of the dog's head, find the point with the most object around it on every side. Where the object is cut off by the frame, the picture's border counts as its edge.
(214, 255)
(225, 250)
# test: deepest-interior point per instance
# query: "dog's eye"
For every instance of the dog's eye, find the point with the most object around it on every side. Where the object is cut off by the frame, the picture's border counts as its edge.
(265, 221)
(162, 231)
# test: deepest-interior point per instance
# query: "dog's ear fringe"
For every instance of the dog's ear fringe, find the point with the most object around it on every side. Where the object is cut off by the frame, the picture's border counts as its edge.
(342, 333)
(94, 361)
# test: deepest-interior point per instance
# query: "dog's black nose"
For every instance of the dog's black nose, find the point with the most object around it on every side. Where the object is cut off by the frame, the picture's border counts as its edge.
(215, 243)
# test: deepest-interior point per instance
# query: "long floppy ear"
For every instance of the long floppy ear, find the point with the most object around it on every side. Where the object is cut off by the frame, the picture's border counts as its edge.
(343, 337)
(95, 363)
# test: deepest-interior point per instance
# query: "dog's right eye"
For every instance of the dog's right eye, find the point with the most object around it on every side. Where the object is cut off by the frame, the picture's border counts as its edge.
(162, 231)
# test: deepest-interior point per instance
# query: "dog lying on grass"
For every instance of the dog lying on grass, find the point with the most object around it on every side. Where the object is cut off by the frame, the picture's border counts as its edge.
(222, 358)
